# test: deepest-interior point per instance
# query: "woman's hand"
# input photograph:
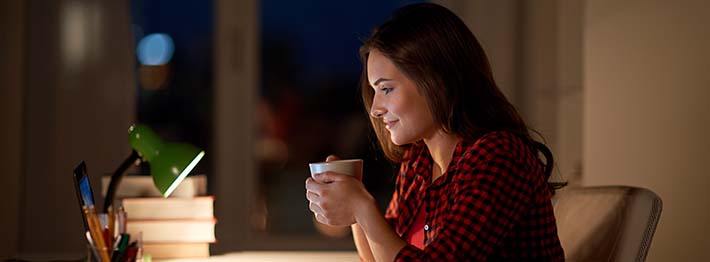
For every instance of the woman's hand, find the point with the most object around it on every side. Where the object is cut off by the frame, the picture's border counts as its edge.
(335, 198)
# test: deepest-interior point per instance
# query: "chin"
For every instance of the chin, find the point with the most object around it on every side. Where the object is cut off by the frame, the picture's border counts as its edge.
(396, 143)
(399, 141)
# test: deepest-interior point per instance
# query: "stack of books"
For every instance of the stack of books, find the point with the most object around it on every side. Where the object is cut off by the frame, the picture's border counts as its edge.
(176, 227)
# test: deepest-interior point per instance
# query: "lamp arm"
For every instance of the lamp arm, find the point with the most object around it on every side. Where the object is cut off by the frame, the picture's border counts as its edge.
(116, 179)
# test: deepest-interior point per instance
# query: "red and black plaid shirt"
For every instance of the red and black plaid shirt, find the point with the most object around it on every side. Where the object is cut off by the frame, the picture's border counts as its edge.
(491, 204)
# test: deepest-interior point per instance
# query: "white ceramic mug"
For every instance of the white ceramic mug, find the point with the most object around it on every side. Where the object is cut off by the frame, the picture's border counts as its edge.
(352, 167)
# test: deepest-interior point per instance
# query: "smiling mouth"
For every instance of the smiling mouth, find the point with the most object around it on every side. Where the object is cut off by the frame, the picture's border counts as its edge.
(390, 124)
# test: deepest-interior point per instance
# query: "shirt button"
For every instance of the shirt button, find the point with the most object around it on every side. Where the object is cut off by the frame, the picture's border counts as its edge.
(426, 227)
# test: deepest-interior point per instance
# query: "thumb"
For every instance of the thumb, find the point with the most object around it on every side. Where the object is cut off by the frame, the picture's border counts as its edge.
(331, 158)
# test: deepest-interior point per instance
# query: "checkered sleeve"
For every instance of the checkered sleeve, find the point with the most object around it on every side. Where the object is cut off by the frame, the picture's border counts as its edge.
(492, 188)
(393, 208)
(391, 214)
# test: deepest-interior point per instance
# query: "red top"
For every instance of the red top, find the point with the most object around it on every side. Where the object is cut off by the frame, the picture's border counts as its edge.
(491, 204)
(415, 235)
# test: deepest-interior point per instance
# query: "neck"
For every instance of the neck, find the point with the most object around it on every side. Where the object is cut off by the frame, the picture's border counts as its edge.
(441, 146)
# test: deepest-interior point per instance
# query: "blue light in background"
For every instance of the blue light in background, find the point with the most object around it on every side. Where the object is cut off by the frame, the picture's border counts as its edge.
(155, 49)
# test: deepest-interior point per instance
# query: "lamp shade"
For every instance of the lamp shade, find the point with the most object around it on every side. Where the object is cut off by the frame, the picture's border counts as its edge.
(169, 162)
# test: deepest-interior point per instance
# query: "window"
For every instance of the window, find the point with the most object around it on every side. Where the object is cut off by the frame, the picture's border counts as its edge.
(309, 107)
(173, 41)
(261, 126)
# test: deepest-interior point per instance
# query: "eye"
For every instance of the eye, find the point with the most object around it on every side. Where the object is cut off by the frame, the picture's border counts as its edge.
(386, 90)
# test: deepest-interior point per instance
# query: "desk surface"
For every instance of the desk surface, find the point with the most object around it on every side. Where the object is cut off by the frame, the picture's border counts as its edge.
(276, 256)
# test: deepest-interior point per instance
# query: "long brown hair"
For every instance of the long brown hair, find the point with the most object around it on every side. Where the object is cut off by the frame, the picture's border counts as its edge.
(435, 49)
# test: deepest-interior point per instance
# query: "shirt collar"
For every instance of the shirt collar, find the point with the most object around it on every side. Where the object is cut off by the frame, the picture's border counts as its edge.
(423, 162)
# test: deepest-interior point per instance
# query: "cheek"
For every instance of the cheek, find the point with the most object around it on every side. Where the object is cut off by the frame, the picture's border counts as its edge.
(412, 113)
(399, 108)
(417, 122)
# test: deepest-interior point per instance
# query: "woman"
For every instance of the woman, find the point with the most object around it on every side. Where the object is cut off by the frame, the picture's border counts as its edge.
(470, 185)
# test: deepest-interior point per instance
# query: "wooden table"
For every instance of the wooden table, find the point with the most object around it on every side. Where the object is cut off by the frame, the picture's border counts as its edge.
(276, 256)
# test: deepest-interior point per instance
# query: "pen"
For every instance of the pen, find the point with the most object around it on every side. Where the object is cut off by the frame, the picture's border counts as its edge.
(121, 249)
(131, 253)
(121, 220)
(104, 220)
(116, 243)
(139, 246)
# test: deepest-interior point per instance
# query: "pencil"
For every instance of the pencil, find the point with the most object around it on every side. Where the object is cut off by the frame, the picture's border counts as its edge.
(96, 232)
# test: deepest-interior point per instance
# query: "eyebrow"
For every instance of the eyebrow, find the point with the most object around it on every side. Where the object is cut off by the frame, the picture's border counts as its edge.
(378, 81)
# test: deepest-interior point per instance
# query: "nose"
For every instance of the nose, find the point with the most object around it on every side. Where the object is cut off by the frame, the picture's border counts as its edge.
(376, 110)
(376, 113)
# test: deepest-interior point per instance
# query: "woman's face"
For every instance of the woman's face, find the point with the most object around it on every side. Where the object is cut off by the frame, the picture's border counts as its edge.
(397, 102)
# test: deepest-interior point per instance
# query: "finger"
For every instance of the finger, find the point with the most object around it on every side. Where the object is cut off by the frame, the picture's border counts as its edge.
(321, 219)
(331, 158)
(315, 208)
(313, 186)
(313, 197)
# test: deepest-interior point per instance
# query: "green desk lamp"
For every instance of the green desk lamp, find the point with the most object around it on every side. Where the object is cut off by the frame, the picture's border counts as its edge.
(169, 162)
